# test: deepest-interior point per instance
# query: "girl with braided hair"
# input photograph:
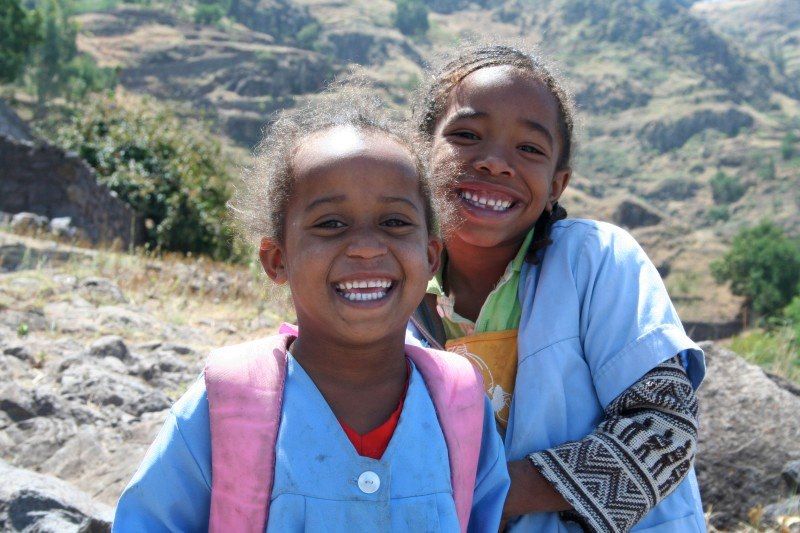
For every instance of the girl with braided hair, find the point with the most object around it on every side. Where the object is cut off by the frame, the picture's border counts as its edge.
(583, 355)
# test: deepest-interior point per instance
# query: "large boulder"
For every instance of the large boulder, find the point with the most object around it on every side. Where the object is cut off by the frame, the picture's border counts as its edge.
(35, 502)
(749, 431)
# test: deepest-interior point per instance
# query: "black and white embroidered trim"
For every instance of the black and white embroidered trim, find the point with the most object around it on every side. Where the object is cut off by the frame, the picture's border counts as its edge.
(635, 458)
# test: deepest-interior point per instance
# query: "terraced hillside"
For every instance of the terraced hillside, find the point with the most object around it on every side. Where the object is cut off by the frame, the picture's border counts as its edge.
(684, 122)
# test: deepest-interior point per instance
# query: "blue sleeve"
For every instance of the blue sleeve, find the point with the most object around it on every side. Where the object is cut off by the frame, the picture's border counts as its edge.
(492, 481)
(171, 490)
(627, 324)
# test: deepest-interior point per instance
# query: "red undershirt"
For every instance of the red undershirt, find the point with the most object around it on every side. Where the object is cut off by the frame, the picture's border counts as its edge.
(373, 443)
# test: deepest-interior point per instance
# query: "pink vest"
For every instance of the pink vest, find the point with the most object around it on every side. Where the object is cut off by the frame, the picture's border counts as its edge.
(245, 390)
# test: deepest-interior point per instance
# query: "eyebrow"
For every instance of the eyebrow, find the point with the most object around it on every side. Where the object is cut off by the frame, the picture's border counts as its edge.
(469, 113)
(393, 199)
(324, 200)
(341, 198)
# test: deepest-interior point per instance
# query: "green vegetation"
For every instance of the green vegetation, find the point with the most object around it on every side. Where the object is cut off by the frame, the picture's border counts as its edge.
(789, 146)
(763, 266)
(210, 11)
(777, 350)
(411, 17)
(19, 33)
(308, 36)
(171, 173)
(766, 170)
(726, 189)
(718, 213)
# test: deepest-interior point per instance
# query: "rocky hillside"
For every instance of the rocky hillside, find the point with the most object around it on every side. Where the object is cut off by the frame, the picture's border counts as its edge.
(683, 125)
(96, 346)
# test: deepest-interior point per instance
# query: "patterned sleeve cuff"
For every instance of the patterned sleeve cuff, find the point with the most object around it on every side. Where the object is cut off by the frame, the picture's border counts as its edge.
(636, 456)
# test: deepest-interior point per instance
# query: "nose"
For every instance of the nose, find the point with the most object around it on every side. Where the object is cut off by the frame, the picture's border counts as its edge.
(366, 244)
(494, 162)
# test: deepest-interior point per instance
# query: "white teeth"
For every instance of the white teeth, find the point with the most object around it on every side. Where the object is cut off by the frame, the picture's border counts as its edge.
(363, 297)
(495, 205)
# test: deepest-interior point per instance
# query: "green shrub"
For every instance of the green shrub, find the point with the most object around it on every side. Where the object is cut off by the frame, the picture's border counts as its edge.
(168, 170)
(766, 171)
(210, 13)
(726, 189)
(789, 146)
(411, 17)
(763, 266)
(718, 213)
(308, 36)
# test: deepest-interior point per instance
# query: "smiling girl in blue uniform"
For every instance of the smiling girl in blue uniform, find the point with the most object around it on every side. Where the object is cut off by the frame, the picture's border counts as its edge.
(589, 370)
(341, 209)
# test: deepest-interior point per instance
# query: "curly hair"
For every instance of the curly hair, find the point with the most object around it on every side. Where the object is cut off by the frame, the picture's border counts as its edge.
(449, 71)
(259, 201)
(432, 101)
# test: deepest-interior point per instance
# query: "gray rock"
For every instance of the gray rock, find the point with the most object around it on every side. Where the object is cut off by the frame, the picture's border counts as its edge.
(18, 351)
(110, 346)
(634, 213)
(101, 290)
(34, 502)
(62, 227)
(791, 475)
(44, 179)
(97, 385)
(25, 221)
(749, 429)
(784, 515)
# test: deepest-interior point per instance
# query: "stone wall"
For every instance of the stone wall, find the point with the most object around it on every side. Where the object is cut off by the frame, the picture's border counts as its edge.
(43, 179)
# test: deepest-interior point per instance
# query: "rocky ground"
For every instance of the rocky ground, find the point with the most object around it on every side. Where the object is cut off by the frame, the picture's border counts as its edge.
(95, 347)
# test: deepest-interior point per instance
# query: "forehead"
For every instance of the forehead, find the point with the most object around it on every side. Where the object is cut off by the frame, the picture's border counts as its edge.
(343, 156)
(504, 90)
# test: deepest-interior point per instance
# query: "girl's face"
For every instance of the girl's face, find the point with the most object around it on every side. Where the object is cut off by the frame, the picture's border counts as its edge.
(500, 133)
(356, 251)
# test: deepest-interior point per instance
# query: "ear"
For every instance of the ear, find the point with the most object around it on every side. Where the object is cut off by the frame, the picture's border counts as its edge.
(434, 254)
(557, 186)
(272, 259)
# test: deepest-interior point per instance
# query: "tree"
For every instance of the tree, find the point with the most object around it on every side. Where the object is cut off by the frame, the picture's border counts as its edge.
(57, 50)
(411, 17)
(59, 69)
(763, 266)
(170, 171)
(19, 32)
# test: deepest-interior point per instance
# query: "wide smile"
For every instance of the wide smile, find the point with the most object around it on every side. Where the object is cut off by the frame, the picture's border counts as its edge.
(484, 202)
(360, 291)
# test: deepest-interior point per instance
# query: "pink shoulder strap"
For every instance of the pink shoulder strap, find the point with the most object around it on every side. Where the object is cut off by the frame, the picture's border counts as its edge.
(245, 390)
(244, 384)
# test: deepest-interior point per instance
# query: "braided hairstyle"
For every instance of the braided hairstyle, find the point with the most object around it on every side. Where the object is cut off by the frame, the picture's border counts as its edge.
(432, 104)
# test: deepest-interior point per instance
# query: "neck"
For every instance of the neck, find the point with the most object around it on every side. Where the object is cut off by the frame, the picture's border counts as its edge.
(473, 272)
(330, 360)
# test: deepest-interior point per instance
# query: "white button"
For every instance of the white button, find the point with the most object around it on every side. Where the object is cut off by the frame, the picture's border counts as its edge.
(369, 482)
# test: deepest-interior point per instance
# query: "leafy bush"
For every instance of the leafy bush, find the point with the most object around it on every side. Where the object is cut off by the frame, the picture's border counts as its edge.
(726, 189)
(308, 36)
(209, 13)
(167, 169)
(411, 17)
(718, 213)
(766, 171)
(763, 266)
(19, 32)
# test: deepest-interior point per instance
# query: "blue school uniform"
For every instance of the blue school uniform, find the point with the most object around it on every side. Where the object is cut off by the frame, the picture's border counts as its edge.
(321, 483)
(595, 318)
